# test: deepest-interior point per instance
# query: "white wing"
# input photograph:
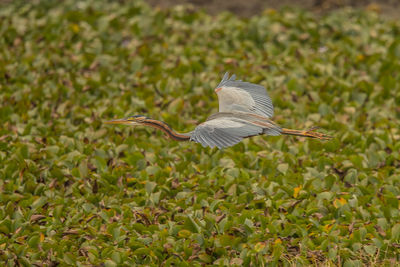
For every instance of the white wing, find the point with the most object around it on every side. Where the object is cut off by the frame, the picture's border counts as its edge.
(237, 96)
(223, 132)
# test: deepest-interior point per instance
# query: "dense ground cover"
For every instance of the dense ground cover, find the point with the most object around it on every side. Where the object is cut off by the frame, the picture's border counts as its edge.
(74, 190)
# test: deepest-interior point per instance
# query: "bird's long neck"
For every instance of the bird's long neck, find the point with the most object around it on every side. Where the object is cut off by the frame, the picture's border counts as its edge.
(166, 129)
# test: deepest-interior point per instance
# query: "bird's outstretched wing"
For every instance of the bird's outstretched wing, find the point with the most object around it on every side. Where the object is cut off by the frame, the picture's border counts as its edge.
(237, 96)
(223, 132)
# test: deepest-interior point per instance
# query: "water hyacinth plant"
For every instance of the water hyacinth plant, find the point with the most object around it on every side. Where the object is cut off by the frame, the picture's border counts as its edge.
(75, 192)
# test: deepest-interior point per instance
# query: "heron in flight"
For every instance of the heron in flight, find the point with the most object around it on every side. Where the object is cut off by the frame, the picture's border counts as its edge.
(245, 110)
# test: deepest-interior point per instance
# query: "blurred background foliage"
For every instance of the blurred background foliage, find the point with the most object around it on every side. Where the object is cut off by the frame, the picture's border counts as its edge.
(73, 191)
(249, 8)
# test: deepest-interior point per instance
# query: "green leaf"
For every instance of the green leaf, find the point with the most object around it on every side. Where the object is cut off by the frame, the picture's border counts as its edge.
(396, 232)
(150, 186)
(283, 167)
(370, 249)
(38, 203)
(142, 251)
(110, 263)
(33, 241)
(191, 225)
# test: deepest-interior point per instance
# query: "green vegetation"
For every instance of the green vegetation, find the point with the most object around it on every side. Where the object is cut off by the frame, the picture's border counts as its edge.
(74, 190)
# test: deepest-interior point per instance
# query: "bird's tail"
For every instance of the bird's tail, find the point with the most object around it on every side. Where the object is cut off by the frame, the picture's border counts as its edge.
(307, 133)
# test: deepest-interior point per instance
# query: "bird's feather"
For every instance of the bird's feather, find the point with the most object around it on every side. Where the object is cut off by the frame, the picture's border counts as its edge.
(235, 95)
(223, 132)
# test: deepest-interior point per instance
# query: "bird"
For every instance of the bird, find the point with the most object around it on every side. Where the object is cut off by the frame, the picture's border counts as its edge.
(245, 110)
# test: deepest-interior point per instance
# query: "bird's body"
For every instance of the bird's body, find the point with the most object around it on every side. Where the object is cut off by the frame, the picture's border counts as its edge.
(245, 110)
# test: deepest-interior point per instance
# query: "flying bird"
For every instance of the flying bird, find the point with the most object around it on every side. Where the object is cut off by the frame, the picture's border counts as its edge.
(245, 110)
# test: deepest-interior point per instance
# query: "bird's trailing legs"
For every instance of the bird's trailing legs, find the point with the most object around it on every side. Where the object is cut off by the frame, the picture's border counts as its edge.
(307, 133)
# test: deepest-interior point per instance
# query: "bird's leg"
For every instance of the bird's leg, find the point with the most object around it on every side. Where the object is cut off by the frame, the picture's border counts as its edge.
(307, 133)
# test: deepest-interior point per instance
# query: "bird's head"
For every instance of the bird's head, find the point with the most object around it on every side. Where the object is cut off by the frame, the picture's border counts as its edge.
(132, 120)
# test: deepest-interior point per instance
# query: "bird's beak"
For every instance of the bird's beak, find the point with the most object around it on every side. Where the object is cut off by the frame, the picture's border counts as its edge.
(121, 121)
